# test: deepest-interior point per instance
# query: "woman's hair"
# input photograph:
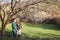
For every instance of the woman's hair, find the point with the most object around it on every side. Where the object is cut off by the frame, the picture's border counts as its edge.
(18, 23)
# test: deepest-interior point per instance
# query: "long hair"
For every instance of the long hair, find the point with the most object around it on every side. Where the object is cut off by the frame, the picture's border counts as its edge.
(18, 22)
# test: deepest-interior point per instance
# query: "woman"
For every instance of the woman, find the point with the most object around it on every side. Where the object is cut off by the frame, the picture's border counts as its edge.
(19, 27)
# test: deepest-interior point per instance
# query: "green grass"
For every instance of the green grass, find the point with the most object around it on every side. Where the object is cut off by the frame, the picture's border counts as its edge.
(34, 32)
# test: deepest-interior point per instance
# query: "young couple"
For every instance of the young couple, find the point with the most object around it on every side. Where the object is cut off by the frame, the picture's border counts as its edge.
(16, 27)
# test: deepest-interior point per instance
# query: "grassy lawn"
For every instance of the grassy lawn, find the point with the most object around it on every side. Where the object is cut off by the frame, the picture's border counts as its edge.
(34, 32)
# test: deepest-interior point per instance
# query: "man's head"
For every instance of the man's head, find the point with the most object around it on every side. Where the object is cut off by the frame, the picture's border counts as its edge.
(16, 19)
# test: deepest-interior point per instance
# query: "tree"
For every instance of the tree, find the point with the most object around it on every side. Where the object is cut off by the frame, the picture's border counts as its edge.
(9, 10)
(7, 14)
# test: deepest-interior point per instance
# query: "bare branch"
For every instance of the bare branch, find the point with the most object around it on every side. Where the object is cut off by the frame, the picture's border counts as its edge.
(12, 5)
(28, 3)
(2, 15)
(20, 6)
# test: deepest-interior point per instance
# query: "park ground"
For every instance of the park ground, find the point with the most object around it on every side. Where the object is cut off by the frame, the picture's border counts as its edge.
(33, 32)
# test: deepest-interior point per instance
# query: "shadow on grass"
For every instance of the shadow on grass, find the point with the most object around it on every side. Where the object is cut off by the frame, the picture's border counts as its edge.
(44, 26)
(24, 36)
(43, 37)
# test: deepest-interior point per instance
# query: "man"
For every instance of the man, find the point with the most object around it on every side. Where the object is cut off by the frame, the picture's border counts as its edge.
(14, 28)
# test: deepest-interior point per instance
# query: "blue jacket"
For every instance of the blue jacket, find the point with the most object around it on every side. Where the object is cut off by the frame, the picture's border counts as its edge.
(14, 26)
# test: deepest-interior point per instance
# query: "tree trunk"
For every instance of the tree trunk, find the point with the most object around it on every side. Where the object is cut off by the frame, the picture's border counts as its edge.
(3, 28)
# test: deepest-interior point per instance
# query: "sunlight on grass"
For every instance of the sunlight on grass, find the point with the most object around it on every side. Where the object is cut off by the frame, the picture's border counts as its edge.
(39, 29)
(31, 30)
(8, 27)
(36, 32)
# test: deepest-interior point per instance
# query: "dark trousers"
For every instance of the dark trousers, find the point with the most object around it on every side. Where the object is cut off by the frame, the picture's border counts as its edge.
(14, 33)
